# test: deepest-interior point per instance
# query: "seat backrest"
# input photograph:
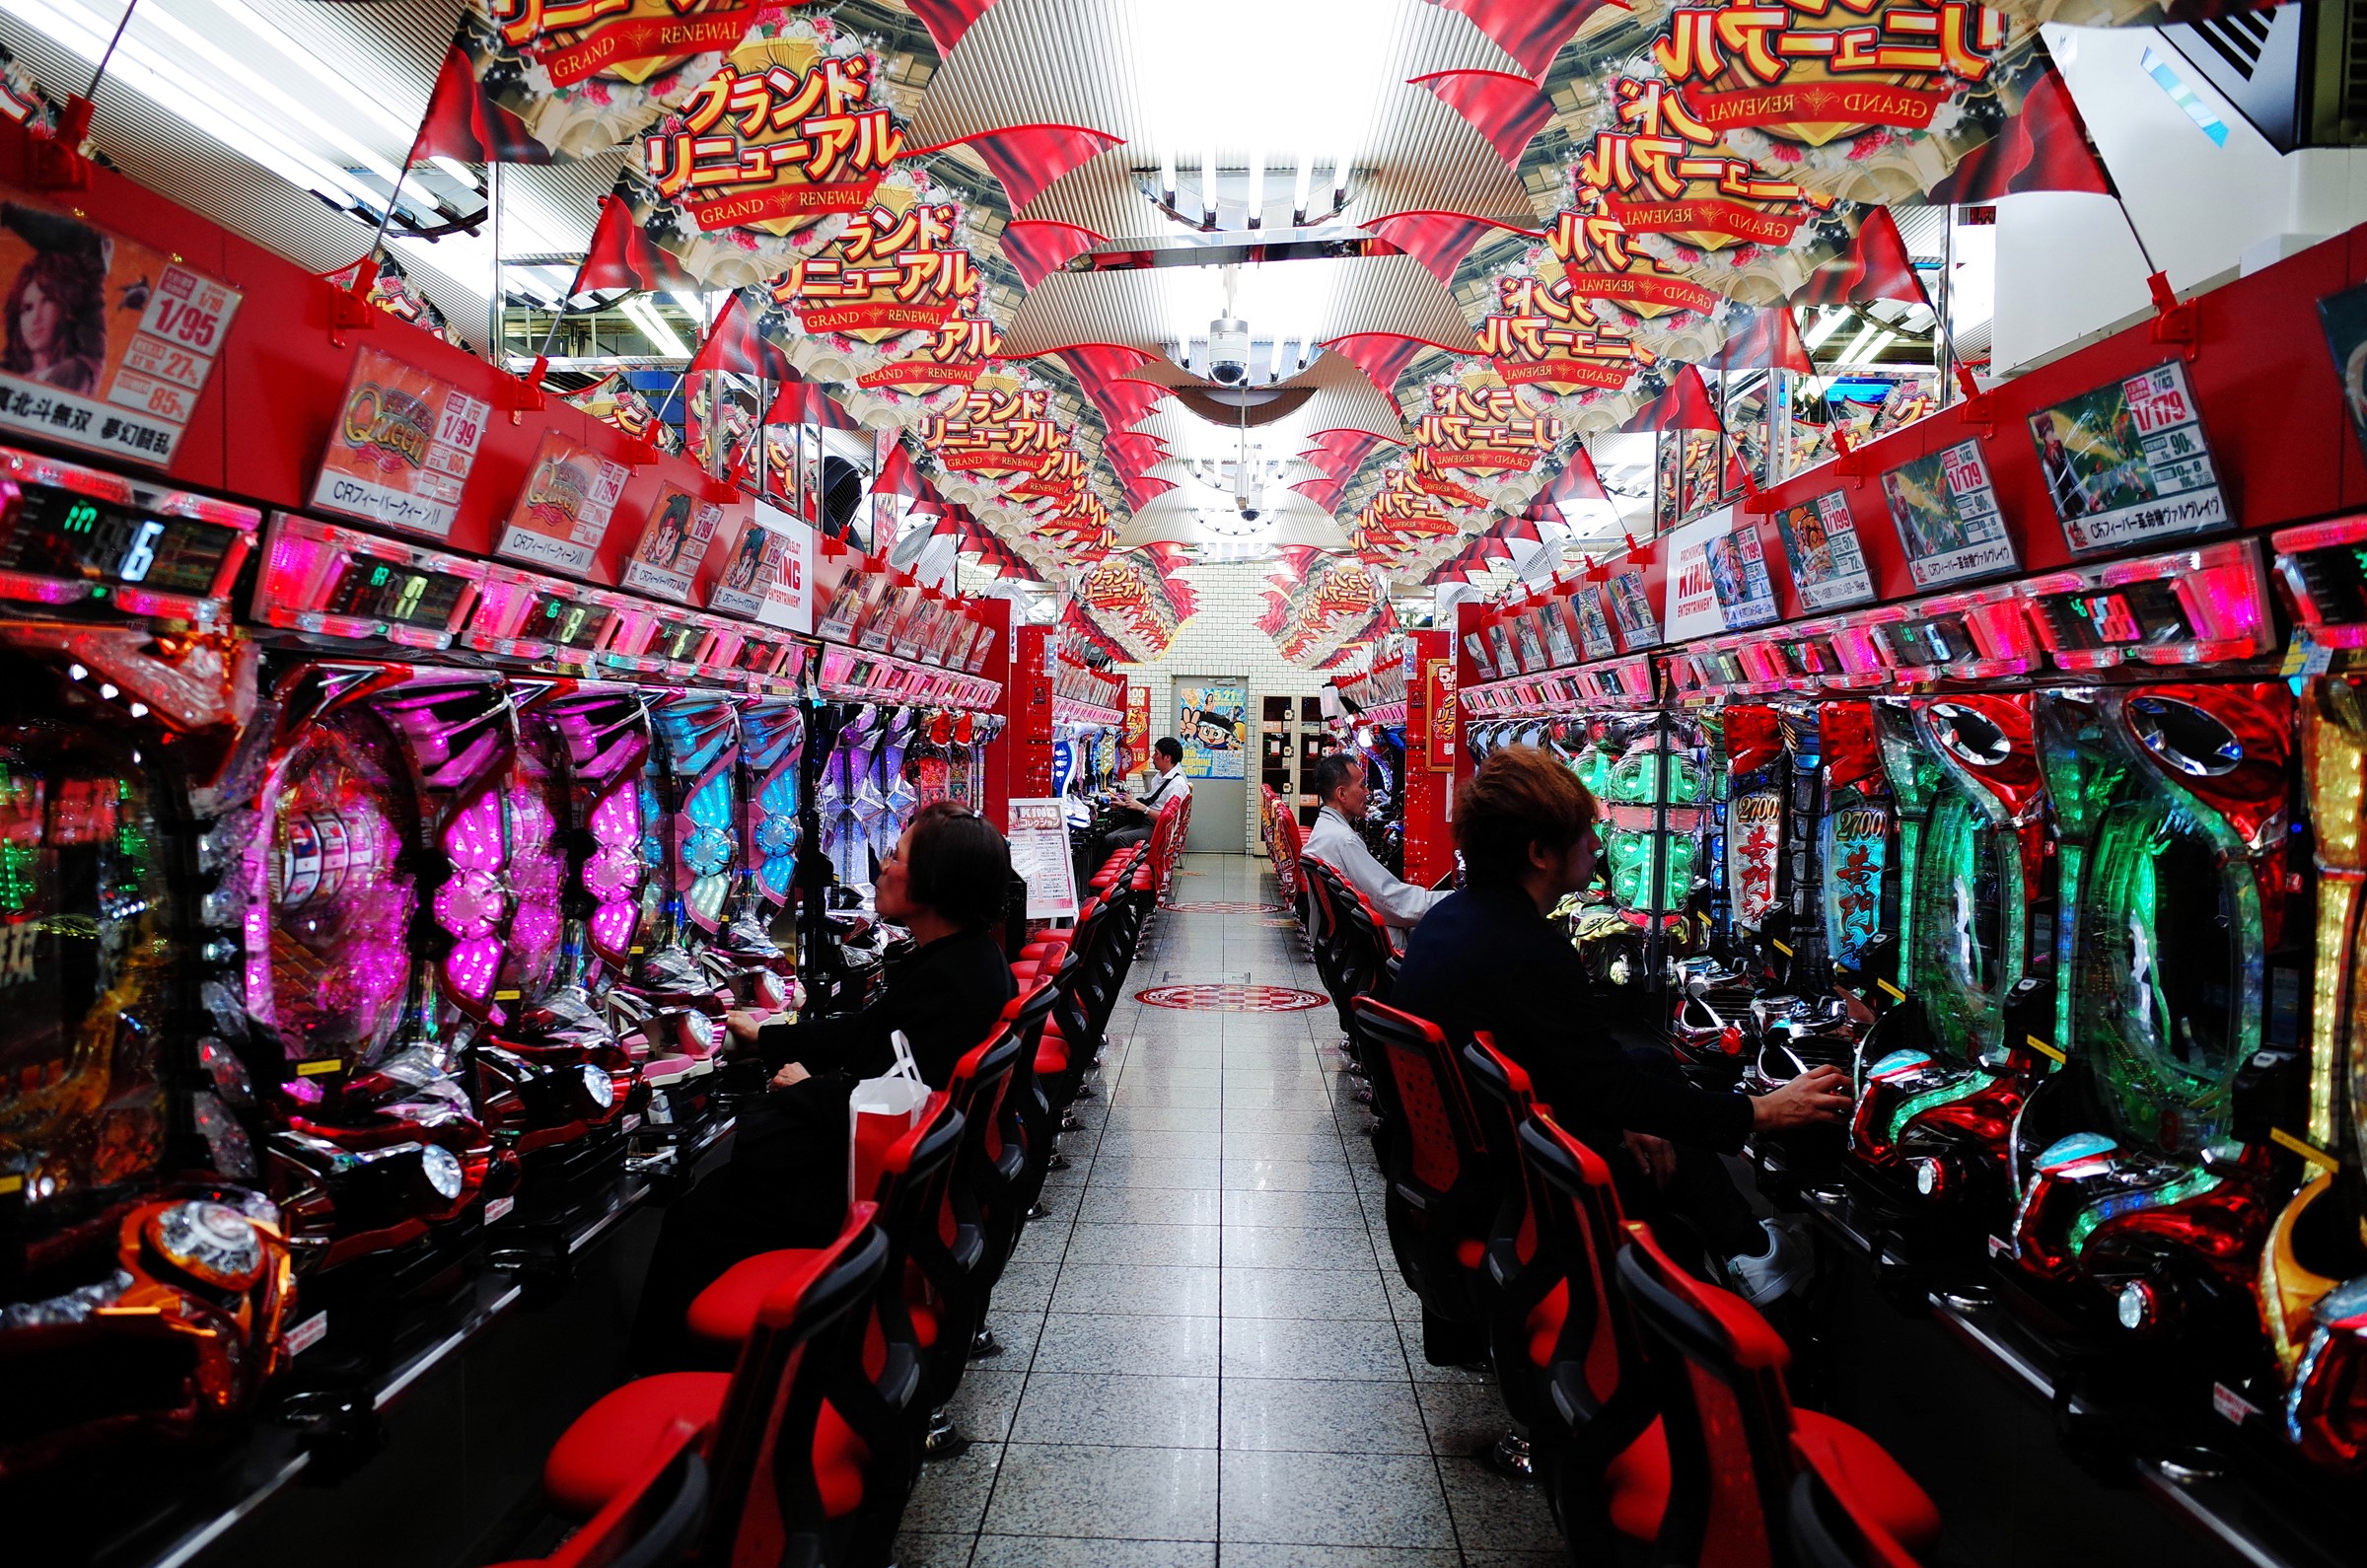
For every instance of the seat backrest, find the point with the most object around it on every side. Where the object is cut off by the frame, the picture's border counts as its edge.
(653, 1522)
(979, 1087)
(1828, 1531)
(804, 1418)
(1718, 1368)
(1501, 1098)
(1440, 1148)
(1358, 950)
(1580, 1229)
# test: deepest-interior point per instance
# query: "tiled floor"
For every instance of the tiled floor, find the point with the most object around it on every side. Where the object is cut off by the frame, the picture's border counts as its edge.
(1208, 1354)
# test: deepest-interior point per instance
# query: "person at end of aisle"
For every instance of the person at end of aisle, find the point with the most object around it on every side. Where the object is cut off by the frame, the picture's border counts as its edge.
(1169, 785)
(1489, 958)
(1337, 781)
(946, 882)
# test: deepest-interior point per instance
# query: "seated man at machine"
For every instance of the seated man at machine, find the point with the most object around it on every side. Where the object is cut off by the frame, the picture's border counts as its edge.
(1490, 959)
(946, 882)
(1169, 784)
(1337, 781)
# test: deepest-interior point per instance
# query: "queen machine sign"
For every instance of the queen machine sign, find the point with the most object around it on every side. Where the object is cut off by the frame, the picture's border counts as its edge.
(2127, 465)
(401, 448)
(1947, 518)
(105, 345)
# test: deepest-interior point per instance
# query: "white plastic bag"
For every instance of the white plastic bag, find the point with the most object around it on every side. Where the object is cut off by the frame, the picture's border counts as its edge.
(879, 1112)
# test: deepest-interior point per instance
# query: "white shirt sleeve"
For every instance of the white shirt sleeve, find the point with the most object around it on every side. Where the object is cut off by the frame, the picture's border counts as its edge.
(1342, 848)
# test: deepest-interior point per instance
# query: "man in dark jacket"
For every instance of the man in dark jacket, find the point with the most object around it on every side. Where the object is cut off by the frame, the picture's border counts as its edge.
(1488, 958)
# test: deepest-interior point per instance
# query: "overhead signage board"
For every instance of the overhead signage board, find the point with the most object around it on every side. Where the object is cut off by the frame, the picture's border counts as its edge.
(2128, 464)
(1820, 545)
(563, 512)
(754, 561)
(1737, 573)
(1040, 854)
(401, 448)
(107, 346)
(1691, 609)
(1948, 519)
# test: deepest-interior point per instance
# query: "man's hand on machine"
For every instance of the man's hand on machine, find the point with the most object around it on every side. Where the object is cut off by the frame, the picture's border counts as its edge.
(746, 1026)
(1816, 1097)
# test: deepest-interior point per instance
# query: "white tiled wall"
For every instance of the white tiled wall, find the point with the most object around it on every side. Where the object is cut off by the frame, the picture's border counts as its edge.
(1222, 639)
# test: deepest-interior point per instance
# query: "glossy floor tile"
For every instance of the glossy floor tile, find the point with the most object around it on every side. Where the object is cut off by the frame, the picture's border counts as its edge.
(1209, 1358)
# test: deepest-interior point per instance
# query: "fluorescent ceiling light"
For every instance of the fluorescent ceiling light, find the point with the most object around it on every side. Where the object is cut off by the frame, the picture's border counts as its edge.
(653, 326)
(1827, 324)
(1285, 76)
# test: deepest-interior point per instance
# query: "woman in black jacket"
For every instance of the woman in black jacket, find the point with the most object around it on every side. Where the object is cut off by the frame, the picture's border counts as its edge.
(945, 880)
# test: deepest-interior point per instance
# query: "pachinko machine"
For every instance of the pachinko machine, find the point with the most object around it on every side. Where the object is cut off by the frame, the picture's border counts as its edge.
(145, 1274)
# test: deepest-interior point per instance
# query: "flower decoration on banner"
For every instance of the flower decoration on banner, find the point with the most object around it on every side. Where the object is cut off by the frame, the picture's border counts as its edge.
(397, 294)
(614, 400)
(583, 77)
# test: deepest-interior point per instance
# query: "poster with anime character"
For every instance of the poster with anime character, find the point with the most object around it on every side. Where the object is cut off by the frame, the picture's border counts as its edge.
(1212, 722)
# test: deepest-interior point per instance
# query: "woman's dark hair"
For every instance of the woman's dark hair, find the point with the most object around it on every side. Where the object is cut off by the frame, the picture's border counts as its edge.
(77, 286)
(1329, 774)
(960, 866)
(1170, 747)
(1521, 796)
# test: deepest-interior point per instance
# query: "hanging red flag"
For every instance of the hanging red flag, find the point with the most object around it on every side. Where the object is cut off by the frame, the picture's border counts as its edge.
(1577, 481)
(465, 125)
(1384, 356)
(1531, 32)
(623, 256)
(1440, 241)
(1685, 405)
(1341, 453)
(1039, 248)
(735, 345)
(1768, 339)
(1027, 159)
(948, 20)
(1505, 109)
(2044, 146)
(1873, 267)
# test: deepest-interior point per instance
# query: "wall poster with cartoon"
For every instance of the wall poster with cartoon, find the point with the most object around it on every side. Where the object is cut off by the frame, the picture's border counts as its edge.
(1212, 722)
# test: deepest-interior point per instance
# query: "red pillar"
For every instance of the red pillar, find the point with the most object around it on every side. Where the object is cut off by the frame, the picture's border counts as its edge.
(1026, 739)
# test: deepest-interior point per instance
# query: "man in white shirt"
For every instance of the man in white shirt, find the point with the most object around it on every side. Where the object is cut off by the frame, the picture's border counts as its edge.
(1169, 784)
(1338, 782)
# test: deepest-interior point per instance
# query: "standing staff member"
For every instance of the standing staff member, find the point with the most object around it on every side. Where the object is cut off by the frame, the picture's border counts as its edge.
(1337, 780)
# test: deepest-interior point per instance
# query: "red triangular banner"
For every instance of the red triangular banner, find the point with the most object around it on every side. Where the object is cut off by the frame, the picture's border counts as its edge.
(1026, 158)
(948, 20)
(465, 125)
(1685, 405)
(1531, 32)
(623, 256)
(1770, 339)
(1505, 109)
(1874, 266)
(2045, 147)
(1039, 248)
(1440, 241)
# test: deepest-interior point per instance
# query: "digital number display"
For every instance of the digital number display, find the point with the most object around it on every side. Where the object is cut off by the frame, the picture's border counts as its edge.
(678, 640)
(2336, 578)
(403, 595)
(59, 534)
(1929, 644)
(759, 656)
(1727, 668)
(1810, 656)
(2131, 615)
(568, 622)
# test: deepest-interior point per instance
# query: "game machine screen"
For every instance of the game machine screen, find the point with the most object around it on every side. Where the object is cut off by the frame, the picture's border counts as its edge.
(689, 843)
(1963, 771)
(773, 745)
(379, 922)
(557, 1081)
(1657, 801)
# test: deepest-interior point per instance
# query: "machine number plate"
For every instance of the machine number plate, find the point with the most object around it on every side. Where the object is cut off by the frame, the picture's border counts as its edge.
(497, 1208)
(307, 1333)
(2231, 1404)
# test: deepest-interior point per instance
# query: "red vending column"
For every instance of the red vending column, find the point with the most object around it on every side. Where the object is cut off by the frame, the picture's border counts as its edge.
(1026, 739)
(1433, 753)
(1001, 660)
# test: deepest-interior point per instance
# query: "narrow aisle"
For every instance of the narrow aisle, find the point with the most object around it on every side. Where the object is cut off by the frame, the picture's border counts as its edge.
(1206, 1348)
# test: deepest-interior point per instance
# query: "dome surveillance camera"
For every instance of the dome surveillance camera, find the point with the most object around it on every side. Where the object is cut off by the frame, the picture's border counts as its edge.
(1251, 511)
(1227, 351)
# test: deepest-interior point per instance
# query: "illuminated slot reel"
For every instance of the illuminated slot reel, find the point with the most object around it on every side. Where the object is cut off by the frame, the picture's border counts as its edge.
(689, 844)
(773, 744)
(1966, 776)
(136, 1298)
(378, 920)
(2174, 805)
(553, 1076)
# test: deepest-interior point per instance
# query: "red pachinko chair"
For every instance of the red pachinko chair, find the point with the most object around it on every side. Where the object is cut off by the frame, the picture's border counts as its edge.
(1712, 1481)
(804, 1451)
(1441, 1202)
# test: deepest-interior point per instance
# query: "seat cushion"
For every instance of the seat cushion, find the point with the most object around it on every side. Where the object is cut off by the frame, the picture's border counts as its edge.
(1637, 1481)
(725, 1312)
(1051, 1051)
(609, 1445)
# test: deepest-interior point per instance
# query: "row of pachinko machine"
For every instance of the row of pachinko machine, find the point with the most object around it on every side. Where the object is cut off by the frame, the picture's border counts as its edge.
(2066, 875)
(347, 952)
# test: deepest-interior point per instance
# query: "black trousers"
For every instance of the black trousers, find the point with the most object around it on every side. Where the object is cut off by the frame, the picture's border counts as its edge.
(784, 1187)
(1700, 1195)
